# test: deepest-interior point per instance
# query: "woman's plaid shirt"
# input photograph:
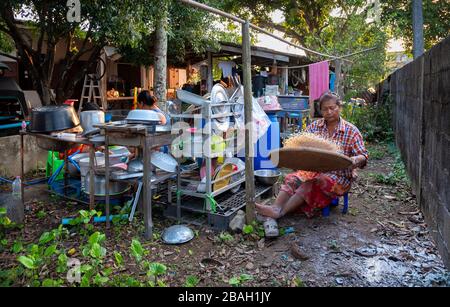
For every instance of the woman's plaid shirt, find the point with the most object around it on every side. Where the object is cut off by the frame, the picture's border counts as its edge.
(350, 140)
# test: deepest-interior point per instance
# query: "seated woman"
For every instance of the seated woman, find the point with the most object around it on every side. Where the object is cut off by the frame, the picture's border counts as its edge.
(310, 192)
(148, 102)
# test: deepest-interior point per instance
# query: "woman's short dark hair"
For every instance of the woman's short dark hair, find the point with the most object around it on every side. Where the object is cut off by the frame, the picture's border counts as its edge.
(329, 96)
(147, 99)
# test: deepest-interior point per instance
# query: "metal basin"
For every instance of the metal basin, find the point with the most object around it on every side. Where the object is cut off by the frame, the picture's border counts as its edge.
(177, 234)
(115, 187)
(53, 118)
(267, 176)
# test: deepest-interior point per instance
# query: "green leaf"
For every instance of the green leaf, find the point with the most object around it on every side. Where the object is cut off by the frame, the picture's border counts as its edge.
(27, 262)
(46, 237)
(49, 283)
(97, 251)
(2, 211)
(100, 280)
(245, 277)
(191, 281)
(96, 237)
(17, 247)
(157, 269)
(136, 250)
(234, 281)
(118, 258)
(248, 229)
(49, 251)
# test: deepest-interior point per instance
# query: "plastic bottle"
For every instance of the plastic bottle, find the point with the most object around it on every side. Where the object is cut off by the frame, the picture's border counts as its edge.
(17, 188)
(24, 125)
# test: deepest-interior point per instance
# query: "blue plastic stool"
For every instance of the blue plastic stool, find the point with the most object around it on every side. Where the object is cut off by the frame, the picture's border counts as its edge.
(298, 116)
(335, 203)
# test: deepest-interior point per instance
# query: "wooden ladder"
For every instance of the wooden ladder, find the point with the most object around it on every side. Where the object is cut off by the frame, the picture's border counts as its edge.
(94, 91)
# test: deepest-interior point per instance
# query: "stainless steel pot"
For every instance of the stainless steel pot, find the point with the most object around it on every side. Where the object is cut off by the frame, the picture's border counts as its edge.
(115, 187)
(89, 119)
(53, 118)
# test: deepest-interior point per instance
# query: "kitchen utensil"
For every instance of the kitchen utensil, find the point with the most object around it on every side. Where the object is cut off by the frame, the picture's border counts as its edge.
(267, 176)
(164, 162)
(136, 166)
(115, 187)
(143, 116)
(177, 234)
(191, 98)
(53, 118)
(89, 119)
(309, 159)
(223, 171)
(219, 96)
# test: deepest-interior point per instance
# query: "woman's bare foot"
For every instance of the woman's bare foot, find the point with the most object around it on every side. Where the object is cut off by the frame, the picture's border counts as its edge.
(270, 211)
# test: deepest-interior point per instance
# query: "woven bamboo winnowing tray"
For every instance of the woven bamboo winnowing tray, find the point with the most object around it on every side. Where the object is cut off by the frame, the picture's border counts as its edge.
(309, 159)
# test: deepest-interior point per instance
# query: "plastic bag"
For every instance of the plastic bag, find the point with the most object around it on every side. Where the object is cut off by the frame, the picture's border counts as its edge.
(261, 123)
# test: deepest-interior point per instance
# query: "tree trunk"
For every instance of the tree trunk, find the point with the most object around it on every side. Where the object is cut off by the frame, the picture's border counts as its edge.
(160, 72)
(417, 24)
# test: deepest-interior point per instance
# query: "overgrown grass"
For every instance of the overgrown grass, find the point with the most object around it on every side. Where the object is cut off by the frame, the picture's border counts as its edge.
(398, 172)
(374, 121)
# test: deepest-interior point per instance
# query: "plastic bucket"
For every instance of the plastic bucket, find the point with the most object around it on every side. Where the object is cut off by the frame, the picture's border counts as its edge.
(268, 142)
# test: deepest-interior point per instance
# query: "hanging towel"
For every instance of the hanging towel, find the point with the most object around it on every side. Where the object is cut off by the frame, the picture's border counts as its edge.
(227, 68)
(318, 79)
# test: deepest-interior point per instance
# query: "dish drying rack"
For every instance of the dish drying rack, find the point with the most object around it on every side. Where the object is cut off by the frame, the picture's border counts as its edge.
(187, 187)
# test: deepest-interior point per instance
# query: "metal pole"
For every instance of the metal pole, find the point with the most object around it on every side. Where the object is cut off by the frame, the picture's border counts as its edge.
(249, 150)
(91, 178)
(22, 170)
(147, 198)
(107, 180)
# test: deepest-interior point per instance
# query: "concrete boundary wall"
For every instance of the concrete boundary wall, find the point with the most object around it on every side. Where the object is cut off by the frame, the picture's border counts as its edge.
(421, 95)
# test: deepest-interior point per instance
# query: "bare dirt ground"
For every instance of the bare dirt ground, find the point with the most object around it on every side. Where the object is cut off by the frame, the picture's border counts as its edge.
(382, 241)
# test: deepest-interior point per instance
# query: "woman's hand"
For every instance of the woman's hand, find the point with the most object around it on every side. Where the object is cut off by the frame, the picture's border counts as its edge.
(357, 161)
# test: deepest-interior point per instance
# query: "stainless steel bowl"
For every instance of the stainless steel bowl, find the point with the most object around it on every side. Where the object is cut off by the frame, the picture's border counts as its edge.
(115, 187)
(267, 176)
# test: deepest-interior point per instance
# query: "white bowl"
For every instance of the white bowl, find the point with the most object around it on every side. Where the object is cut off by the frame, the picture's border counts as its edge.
(143, 116)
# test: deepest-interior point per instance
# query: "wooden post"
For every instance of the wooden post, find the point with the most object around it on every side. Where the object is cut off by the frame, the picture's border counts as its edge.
(209, 80)
(338, 80)
(249, 151)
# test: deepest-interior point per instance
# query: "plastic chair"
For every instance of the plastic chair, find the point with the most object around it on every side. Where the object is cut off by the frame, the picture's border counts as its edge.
(335, 203)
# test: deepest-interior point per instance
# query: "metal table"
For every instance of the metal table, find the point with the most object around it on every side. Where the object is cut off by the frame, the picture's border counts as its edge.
(146, 139)
(61, 144)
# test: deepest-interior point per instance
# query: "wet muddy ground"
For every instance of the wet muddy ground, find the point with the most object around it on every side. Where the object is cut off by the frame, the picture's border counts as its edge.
(382, 241)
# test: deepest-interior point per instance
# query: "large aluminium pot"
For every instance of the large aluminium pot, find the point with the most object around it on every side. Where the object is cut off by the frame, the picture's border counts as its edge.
(115, 187)
(53, 118)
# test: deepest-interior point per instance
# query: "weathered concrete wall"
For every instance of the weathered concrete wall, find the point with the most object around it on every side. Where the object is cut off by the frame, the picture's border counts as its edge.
(421, 95)
(10, 155)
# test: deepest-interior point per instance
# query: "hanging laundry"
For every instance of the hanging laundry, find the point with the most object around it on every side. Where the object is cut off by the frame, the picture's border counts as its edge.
(227, 68)
(332, 81)
(318, 79)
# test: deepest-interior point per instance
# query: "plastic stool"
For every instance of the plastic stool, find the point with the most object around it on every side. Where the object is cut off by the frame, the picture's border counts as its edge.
(298, 116)
(335, 203)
